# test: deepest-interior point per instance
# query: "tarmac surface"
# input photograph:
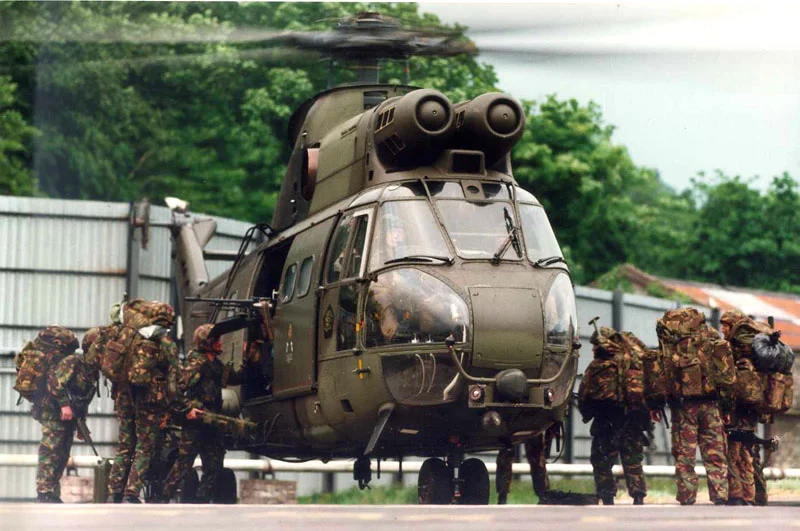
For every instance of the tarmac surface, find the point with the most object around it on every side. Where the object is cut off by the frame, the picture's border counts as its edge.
(391, 517)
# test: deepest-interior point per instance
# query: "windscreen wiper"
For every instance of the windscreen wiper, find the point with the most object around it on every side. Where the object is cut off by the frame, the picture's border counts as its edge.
(420, 258)
(550, 260)
(512, 239)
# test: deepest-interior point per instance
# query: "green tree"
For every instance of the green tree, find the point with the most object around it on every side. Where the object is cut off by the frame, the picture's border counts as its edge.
(16, 177)
(605, 209)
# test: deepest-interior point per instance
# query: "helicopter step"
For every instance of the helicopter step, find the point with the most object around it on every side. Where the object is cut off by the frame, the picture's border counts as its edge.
(459, 481)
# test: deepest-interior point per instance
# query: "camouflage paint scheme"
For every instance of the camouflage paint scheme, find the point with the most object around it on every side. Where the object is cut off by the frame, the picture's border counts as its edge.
(616, 434)
(153, 365)
(202, 379)
(694, 423)
(75, 376)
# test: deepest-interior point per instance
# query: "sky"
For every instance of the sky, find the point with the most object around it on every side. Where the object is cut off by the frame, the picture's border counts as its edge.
(690, 87)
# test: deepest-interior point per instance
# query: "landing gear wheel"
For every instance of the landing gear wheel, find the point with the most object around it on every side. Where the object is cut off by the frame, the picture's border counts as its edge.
(474, 482)
(189, 487)
(225, 489)
(434, 486)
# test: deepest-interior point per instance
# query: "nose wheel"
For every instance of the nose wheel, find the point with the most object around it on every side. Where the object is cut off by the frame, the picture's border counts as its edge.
(439, 484)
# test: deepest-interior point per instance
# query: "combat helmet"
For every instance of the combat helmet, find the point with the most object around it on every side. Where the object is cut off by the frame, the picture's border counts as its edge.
(58, 337)
(162, 314)
(201, 340)
(731, 318)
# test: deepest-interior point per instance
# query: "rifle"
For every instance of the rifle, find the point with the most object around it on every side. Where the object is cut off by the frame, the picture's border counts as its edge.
(749, 437)
(79, 413)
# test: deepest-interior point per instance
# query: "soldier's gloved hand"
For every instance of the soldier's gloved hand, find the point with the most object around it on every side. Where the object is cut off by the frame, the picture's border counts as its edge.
(655, 415)
(66, 413)
(79, 435)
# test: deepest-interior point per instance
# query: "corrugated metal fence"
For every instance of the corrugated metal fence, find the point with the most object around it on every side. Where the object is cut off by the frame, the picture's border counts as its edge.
(67, 262)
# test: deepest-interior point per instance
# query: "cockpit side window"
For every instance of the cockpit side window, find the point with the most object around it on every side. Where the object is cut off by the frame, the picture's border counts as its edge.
(348, 249)
(540, 241)
(407, 230)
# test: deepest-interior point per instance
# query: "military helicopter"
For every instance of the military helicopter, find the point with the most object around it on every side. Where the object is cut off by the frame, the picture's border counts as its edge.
(408, 298)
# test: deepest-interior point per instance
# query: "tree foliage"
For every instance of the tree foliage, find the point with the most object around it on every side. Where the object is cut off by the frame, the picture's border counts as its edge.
(135, 119)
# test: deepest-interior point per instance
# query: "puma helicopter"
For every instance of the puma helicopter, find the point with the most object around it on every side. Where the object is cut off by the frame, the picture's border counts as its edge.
(408, 298)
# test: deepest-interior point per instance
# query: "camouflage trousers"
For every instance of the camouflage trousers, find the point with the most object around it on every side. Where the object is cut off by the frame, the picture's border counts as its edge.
(537, 459)
(53, 452)
(761, 497)
(147, 422)
(194, 442)
(126, 447)
(741, 474)
(613, 439)
(696, 423)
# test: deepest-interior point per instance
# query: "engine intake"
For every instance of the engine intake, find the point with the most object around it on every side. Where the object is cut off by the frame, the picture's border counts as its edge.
(412, 130)
(492, 123)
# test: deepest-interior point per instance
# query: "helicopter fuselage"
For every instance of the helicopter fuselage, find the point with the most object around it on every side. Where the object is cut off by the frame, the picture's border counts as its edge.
(420, 303)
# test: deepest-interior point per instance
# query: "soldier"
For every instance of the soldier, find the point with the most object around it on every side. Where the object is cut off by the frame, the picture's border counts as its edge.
(535, 452)
(55, 411)
(697, 364)
(612, 394)
(152, 381)
(123, 409)
(202, 381)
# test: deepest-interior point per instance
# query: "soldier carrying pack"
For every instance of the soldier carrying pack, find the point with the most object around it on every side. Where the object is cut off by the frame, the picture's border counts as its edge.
(697, 361)
(615, 377)
(33, 364)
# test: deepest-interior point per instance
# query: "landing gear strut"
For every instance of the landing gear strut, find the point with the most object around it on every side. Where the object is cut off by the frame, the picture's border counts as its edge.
(457, 481)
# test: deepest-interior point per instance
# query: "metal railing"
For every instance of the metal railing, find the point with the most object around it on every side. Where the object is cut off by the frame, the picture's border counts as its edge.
(269, 466)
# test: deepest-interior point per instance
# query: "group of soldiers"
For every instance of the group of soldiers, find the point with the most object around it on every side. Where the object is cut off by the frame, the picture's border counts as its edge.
(718, 385)
(152, 390)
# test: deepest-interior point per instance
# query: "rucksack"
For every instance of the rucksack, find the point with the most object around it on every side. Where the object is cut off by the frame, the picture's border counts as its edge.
(617, 377)
(655, 381)
(749, 387)
(33, 363)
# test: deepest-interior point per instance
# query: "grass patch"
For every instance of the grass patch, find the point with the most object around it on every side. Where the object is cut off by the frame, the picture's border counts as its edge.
(659, 490)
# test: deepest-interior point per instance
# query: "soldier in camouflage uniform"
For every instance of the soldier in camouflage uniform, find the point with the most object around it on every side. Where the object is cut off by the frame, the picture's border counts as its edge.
(73, 375)
(126, 417)
(691, 351)
(535, 453)
(742, 457)
(618, 426)
(152, 381)
(202, 381)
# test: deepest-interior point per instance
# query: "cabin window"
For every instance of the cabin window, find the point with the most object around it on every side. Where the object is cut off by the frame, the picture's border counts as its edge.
(288, 283)
(496, 191)
(338, 247)
(359, 241)
(539, 238)
(445, 190)
(346, 316)
(304, 281)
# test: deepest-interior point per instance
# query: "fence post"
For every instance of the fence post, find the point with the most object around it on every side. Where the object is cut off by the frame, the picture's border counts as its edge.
(617, 305)
(101, 481)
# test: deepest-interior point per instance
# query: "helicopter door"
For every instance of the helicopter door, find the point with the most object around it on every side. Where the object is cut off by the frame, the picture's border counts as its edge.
(294, 362)
(344, 267)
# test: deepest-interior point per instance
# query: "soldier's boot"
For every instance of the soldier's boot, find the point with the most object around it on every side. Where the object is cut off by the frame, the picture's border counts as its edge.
(607, 500)
(130, 498)
(47, 497)
(502, 498)
(720, 502)
(115, 497)
(736, 501)
(638, 500)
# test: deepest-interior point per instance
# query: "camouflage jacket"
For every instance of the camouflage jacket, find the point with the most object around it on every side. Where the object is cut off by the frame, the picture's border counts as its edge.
(153, 370)
(203, 379)
(73, 382)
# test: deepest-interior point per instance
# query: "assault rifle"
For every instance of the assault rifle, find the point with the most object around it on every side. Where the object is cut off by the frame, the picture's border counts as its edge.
(79, 414)
(253, 313)
(749, 437)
